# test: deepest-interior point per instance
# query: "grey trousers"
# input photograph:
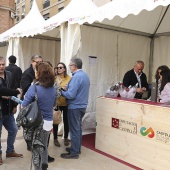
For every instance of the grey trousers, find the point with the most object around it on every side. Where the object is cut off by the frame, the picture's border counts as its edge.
(44, 156)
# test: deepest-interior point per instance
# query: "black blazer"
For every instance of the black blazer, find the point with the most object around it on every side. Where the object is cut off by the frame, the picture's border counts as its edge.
(131, 79)
(27, 78)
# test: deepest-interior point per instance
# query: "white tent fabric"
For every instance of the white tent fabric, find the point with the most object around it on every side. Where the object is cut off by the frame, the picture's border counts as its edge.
(48, 49)
(115, 52)
(77, 11)
(14, 48)
(70, 42)
(29, 26)
(123, 8)
(145, 22)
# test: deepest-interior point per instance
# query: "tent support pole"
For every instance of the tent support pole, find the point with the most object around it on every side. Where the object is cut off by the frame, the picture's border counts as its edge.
(12, 46)
(151, 60)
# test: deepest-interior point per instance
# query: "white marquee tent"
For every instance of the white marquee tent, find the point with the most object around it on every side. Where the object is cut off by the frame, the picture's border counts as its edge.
(124, 31)
(24, 48)
(29, 26)
(110, 46)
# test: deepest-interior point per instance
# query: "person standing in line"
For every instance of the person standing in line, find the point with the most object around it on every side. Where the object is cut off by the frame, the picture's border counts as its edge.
(62, 78)
(134, 76)
(27, 78)
(29, 75)
(76, 94)
(8, 108)
(13, 68)
(46, 93)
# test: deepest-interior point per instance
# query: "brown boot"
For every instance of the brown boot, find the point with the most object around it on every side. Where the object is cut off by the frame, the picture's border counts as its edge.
(1, 162)
(66, 142)
(56, 143)
(13, 154)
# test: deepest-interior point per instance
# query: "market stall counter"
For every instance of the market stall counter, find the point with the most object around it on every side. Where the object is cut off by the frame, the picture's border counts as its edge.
(135, 131)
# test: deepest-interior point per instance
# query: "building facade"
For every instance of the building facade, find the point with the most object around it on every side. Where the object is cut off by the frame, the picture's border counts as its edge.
(13, 11)
(6, 7)
(48, 8)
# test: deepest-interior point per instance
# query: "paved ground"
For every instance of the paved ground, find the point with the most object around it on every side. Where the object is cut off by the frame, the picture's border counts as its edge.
(88, 160)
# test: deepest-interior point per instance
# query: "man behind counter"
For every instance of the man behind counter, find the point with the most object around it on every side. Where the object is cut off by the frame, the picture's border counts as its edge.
(135, 76)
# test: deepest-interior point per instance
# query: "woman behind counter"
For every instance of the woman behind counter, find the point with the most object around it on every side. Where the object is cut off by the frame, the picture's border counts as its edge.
(62, 78)
(157, 74)
(165, 86)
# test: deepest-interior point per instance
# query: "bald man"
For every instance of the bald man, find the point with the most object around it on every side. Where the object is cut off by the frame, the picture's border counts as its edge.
(135, 76)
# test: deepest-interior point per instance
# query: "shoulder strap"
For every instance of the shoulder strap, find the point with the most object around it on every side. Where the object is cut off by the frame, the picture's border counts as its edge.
(35, 95)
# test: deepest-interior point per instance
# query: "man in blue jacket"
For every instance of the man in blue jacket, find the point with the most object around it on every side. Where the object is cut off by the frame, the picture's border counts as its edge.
(77, 93)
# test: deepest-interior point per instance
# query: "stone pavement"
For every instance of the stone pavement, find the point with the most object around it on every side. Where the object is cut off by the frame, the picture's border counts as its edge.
(88, 160)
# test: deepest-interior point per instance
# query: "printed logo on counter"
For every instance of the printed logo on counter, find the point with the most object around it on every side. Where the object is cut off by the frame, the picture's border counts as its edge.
(124, 125)
(163, 136)
(148, 132)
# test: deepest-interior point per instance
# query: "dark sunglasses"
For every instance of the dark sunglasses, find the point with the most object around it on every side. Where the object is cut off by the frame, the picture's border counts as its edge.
(59, 67)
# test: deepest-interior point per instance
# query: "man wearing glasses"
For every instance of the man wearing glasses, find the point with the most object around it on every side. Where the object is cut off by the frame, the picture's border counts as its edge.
(76, 94)
(28, 76)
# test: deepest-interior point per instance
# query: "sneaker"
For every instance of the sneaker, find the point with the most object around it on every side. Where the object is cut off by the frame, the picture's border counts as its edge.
(13, 154)
(1, 162)
(66, 142)
(56, 143)
(50, 159)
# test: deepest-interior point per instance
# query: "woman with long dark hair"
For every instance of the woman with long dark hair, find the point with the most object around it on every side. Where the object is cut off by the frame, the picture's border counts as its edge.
(62, 78)
(165, 86)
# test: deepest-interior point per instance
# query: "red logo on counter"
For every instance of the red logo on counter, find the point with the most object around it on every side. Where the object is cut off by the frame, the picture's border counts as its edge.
(115, 123)
(124, 125)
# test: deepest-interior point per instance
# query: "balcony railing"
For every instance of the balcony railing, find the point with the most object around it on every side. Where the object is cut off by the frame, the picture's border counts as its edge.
(46, 4)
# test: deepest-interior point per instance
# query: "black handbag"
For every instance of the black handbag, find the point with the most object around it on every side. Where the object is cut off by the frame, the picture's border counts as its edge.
(30, 116)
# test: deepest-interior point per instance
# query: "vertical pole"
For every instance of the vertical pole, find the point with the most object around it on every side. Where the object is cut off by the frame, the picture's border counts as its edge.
(151, 59)
(12, 46)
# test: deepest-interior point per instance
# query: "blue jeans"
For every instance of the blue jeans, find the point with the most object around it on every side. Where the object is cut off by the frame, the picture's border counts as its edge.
(75, 125)
(8, 122)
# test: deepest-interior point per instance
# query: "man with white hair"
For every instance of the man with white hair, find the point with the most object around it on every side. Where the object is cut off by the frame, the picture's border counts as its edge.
(134, 76)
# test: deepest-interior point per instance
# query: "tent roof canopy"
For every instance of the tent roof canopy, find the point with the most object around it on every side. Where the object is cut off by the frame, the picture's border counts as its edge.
(143, 17)
(77, 11)
(148, 17)
(29, 26)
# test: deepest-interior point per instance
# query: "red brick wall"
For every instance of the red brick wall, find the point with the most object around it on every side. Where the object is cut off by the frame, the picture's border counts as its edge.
(6, 21)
